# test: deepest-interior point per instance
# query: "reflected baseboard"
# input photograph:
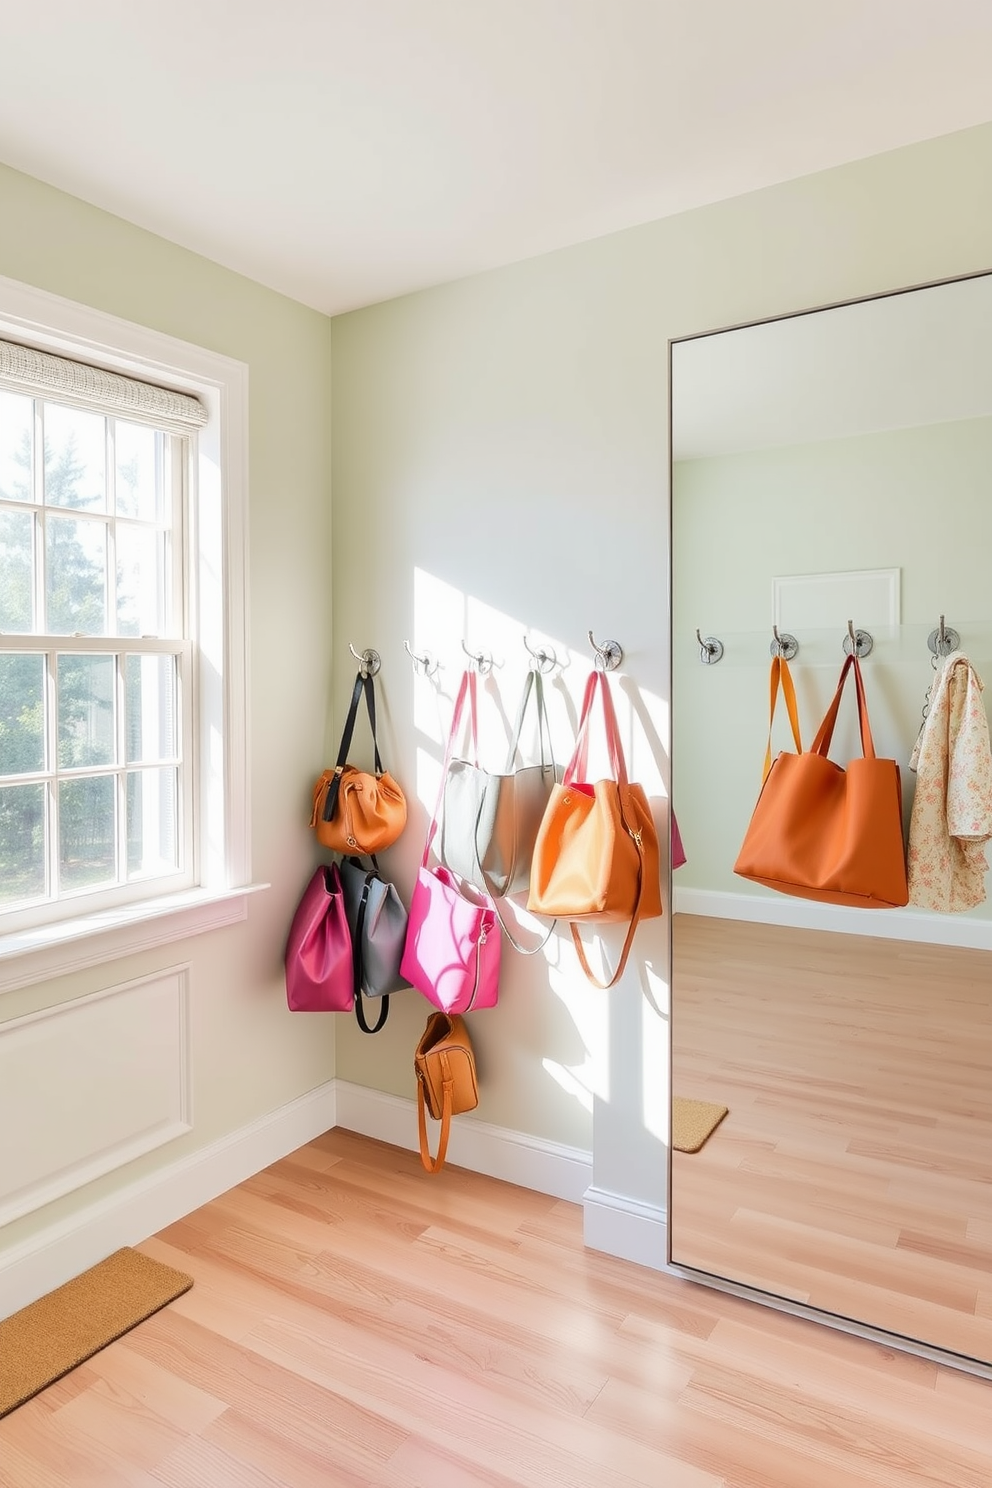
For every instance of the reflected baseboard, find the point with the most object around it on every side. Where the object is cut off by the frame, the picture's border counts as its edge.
(805, 914)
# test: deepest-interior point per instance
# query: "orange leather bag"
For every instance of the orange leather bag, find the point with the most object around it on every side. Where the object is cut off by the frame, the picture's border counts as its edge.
(356, 811)
(446, 1080)
(596, 856)
(823, 832)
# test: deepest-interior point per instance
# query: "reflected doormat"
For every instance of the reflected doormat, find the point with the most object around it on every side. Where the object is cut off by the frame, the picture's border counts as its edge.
(42, 1342)
(692, 1122)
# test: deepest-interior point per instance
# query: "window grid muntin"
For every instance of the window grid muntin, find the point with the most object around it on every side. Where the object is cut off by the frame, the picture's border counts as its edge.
(172, 457)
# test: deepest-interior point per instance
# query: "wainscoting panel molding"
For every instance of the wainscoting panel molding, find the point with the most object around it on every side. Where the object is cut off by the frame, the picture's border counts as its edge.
(89, 1085)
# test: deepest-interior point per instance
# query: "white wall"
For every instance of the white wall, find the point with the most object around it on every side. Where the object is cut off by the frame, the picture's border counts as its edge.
(506, 436)
(247, 1058)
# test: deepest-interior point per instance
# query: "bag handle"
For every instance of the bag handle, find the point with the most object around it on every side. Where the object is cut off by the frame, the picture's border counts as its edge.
(363, 683)
(780, 674)
(466, 689)
(577, 765)
(821, 744)
(435, 1164)
(577, 770)
(358, 960)
(534, 684)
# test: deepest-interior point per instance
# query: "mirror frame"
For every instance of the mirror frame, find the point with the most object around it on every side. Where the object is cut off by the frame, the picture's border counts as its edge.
(904, 1343)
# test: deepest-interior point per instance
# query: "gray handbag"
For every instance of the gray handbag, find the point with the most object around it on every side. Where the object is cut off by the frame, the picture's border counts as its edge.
(377, 920)
(489, 822)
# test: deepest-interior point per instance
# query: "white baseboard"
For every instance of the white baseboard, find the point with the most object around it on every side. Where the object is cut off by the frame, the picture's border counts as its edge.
(625, 1228)
(531, 1162)
(64, 1249)
(806, 914)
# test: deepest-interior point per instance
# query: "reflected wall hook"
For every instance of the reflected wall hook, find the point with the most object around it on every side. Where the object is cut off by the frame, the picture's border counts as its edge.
(710, 649)
(860, 642)
(544, 656)
(483, 660)
(422, 659)
(609, 655)
(784, 644)
(943, 640)
(369, 661)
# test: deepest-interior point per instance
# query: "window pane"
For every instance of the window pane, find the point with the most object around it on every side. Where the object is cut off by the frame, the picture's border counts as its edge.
(86, 726)
(16, 434)
(75, 458)
(22, 842)
(87, 831)
(152, 814)
(16, 571)
(140, 457)
(22, 714)
(152, 724)
(141, 581)
(77, 576)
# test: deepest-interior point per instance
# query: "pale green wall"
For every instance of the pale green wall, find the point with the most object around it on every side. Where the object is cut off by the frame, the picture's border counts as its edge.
(509, 433)
(916, 500)
(250, 1054)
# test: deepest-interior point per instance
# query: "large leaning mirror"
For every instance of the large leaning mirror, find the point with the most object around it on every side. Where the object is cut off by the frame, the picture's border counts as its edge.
(831, 467)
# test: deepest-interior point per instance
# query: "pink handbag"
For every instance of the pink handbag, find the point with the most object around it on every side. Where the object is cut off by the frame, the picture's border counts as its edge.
(319, 966)
(452, 948)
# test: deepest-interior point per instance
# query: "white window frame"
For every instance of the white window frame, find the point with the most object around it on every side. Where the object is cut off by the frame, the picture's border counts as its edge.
(216, 561)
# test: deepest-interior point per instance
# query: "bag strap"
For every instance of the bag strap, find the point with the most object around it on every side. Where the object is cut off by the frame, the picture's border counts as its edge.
(632, 927)
(358, 963)
(821, 744)
(577, 770)
(466, 689)
(534, 684)
(578, 764)
(780, 674)
(435, 1164)
(363, 683)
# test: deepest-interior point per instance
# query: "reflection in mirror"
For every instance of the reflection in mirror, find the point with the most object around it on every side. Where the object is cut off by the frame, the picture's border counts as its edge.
(832, 467)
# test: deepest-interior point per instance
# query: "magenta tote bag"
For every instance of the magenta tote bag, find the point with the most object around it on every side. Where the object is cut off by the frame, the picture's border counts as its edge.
(452, 948)
(319, 970)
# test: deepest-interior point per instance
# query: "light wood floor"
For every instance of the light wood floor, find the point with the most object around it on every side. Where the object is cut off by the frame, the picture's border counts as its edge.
(854, 1171)
(355, 1323)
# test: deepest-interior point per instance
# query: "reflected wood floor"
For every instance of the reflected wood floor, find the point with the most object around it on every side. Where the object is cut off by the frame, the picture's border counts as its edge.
(355, 1323)
(854, 1171)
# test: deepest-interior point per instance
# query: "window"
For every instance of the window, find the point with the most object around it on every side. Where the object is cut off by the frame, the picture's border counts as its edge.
(123, 781)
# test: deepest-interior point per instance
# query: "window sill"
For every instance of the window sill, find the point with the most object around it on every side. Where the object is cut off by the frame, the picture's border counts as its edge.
(30, 956)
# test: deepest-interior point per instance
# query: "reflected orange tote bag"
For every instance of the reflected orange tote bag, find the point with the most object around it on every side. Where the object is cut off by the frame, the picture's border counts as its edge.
(823, 832)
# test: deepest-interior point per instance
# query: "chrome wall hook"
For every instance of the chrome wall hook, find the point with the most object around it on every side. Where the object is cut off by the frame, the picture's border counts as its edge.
(482, 660)
(710, 649)
(943, 640)
(423, 660)
(858, 642)
(784, 644)
(609, 655)
(544, 656)
(369, 661)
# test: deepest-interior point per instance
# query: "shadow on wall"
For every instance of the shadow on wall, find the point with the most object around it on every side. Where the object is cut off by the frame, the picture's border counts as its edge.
(556, 1045)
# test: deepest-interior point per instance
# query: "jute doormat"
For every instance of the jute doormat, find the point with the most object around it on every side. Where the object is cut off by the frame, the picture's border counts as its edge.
(692, 1122)
(42, 1342)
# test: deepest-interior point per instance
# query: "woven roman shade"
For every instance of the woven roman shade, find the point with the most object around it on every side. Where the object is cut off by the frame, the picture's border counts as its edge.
(41, 374)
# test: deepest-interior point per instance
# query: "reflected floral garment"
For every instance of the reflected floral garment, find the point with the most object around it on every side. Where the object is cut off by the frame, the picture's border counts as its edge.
(952, 810)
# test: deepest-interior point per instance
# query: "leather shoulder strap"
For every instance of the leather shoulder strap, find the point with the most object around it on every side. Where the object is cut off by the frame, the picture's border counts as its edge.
(780, 675)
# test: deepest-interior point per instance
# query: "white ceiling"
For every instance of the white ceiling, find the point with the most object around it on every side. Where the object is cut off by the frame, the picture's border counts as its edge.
(346, 151)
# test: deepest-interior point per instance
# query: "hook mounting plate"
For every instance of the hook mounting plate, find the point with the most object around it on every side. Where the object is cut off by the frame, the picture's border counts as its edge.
(864, 643)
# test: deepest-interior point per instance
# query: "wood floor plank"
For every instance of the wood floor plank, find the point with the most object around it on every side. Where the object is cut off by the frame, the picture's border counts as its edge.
(466, 1338)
